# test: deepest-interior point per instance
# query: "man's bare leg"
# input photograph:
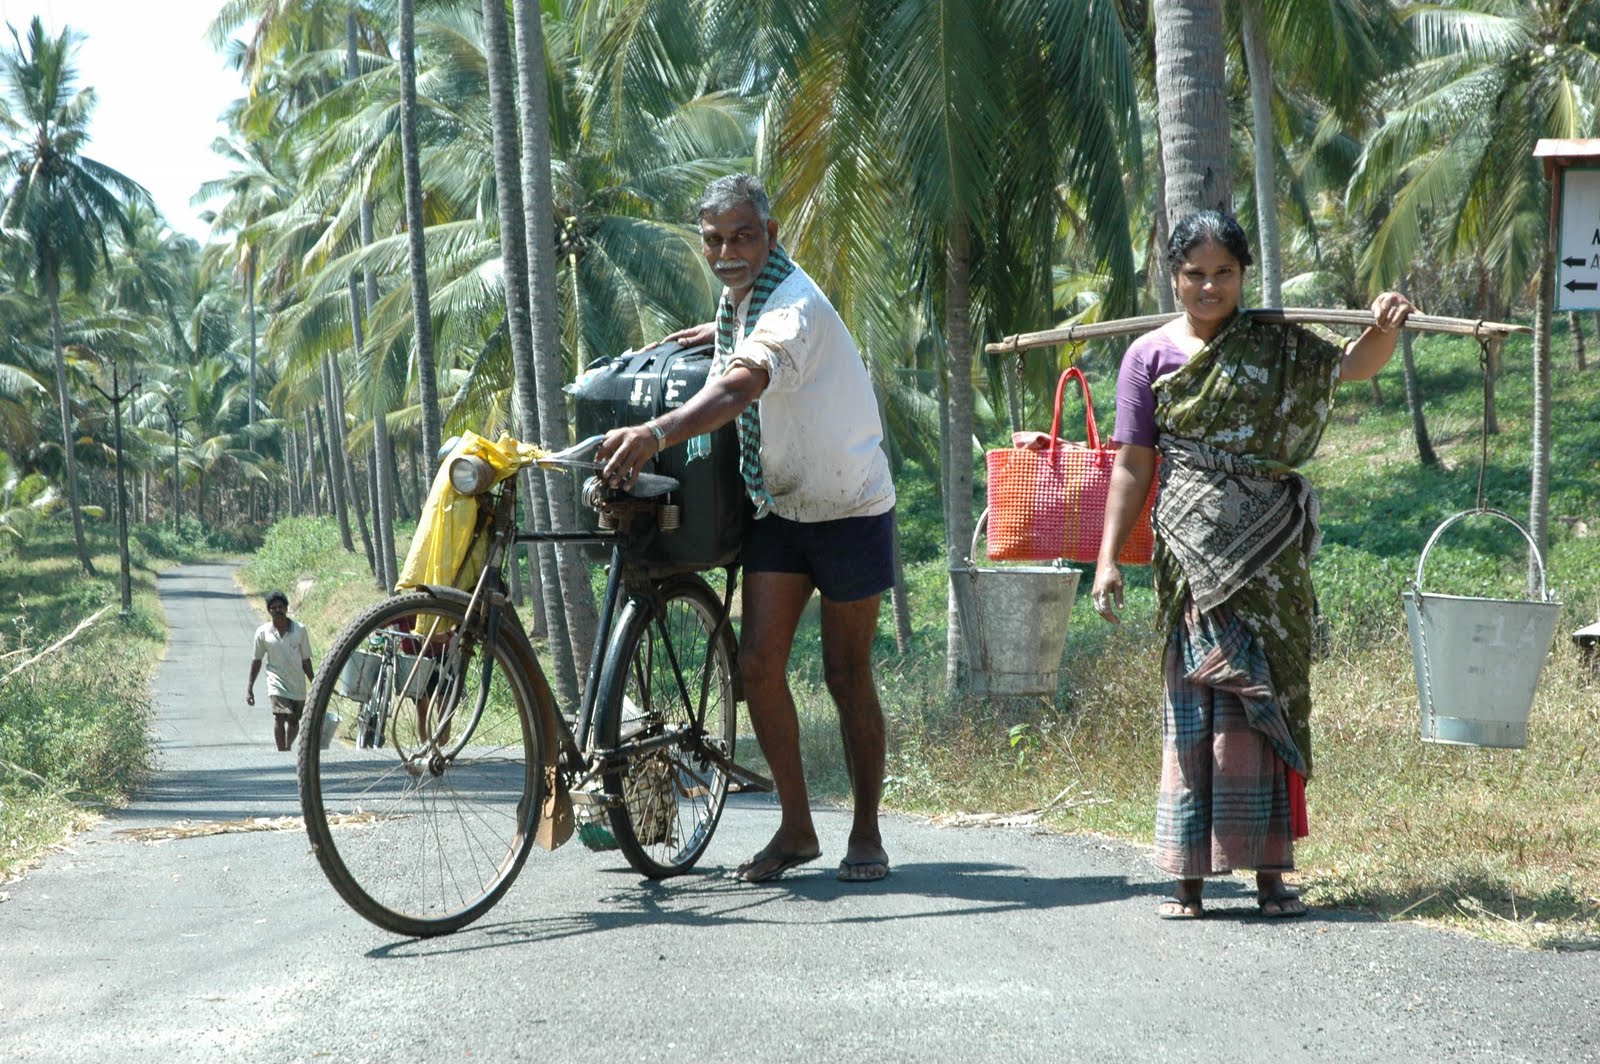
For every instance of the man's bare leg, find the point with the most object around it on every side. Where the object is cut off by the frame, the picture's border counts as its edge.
(848, 629)
(771, 605)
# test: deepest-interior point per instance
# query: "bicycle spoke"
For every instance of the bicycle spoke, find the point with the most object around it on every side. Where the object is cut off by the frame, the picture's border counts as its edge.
(422, 834)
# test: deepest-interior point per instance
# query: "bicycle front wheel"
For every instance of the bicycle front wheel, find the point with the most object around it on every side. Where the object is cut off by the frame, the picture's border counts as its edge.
(422, 802)
(667, 706)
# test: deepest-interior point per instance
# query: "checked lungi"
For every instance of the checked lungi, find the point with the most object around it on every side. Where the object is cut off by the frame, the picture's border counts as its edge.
(1225, 792)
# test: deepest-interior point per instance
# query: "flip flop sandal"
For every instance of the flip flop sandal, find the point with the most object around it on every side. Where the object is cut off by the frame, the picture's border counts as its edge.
(1288, 905)
(849, 871)
(785, 861)
(1190, 909)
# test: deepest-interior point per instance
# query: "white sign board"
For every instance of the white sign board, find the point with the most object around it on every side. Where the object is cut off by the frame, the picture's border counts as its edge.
(1578, 245)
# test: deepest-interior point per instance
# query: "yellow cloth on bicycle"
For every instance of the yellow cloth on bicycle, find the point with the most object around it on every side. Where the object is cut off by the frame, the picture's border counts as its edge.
(446, 549)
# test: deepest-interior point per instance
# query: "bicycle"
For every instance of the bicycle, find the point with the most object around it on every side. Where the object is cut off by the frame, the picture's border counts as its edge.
(457, 761)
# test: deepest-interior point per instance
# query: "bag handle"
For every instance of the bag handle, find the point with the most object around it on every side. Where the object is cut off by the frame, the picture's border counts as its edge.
(1074, 373)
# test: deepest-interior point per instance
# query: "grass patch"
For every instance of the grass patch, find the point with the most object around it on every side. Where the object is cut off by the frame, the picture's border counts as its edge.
(74, 724)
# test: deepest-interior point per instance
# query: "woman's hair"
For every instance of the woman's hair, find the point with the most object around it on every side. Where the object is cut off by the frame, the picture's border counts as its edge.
(1207, 227)
(277, 596)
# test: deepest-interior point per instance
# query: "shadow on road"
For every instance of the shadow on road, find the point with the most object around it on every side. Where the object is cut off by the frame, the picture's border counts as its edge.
(718, 900)
(173, 593)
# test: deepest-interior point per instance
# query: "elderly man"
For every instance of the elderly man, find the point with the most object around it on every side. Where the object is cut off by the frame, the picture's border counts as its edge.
(810, 442)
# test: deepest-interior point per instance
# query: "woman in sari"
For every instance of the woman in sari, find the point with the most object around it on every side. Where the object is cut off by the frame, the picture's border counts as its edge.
(1233, 405)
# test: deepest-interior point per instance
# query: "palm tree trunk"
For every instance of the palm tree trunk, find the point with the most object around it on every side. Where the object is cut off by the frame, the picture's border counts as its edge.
(1260, 64)
(250, 311)
(52, 285)
(325, 449)
(427, 382)
(1491, 351)
(377, 544)
(403, 507)
(311, 465)
(1419, 424)
(514, 254)
(1192, 95)
(384, 566)
(900, 599)
(335, 447)
(958, 384)
(1543, 318)
(1156, 267)
(544, 316)
(292, 457)
(346, 463)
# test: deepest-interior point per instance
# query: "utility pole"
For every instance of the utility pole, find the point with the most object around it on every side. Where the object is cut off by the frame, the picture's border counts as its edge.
(116, 397)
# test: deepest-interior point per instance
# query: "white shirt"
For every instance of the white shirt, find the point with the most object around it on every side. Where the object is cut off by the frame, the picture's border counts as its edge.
(283, 653)
(821, 436)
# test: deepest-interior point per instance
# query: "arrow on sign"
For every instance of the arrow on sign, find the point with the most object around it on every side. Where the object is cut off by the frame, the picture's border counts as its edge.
(1581, 286)
(1573, 262)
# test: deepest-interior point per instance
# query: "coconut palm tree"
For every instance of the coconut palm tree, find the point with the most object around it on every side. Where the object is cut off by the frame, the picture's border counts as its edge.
(961, 125)
(514, 254)
(1192, 94)
(61, 199)
(427, 372)
(1452, 165)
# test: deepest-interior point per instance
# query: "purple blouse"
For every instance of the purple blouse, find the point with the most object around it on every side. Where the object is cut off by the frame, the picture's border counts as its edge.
(1149, 358)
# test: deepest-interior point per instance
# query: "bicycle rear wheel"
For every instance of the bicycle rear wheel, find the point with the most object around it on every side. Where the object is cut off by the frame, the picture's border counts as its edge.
(422, 810)
(658, 671)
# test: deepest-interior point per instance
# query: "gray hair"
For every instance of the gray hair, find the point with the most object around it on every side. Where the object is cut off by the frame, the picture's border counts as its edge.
(732, 191)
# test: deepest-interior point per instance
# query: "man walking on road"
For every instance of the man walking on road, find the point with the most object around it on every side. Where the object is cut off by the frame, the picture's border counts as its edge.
(810, 442)
(286, 648)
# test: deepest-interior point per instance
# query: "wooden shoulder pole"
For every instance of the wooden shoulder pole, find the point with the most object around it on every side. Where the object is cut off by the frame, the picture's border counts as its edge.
(1078, 333)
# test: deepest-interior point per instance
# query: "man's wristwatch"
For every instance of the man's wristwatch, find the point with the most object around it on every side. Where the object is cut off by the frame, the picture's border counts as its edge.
(659, 433)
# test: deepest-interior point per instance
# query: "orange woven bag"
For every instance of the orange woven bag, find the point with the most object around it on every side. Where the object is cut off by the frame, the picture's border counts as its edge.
(1049, 501)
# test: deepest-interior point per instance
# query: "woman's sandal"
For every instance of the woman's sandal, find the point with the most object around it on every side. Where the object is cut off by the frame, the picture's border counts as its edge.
(1281, 904)
(1181, 909)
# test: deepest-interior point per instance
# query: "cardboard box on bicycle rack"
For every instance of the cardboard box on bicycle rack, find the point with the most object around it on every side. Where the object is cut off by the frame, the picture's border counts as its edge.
(632, 388)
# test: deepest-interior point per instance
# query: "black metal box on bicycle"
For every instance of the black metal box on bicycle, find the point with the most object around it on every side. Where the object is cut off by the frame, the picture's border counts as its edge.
(638, 385)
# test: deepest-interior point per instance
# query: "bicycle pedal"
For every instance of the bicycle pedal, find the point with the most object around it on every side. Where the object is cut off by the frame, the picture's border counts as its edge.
(592, 799)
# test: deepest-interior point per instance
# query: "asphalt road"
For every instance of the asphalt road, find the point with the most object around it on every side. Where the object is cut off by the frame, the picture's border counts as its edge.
(985, 944)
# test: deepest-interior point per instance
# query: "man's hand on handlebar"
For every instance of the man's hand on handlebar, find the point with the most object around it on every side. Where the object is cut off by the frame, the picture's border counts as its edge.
(693, 336)
(624, 452)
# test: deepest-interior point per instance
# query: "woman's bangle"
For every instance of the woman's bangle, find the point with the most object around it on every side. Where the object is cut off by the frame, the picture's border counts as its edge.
(659, 433)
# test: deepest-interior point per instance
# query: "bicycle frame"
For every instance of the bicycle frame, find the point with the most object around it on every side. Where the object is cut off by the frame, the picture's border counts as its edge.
(626, 581)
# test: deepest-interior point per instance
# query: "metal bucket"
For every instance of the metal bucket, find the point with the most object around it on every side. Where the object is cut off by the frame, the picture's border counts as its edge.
(360, 675)
(1477, 659)
(360, 672)
(1014, 622)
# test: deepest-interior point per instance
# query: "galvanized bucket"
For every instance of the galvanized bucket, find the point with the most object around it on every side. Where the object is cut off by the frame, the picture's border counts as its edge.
(1478, 659)
(360, 675)
(1014, 622)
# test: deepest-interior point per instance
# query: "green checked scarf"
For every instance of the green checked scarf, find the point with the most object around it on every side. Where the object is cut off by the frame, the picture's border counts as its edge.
(779, 266)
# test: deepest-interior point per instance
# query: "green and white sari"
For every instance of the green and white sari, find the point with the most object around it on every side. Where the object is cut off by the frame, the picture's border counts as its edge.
(1236, 527)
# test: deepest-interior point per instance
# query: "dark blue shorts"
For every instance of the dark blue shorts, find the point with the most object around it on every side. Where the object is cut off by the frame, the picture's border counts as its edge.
(848, 559)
